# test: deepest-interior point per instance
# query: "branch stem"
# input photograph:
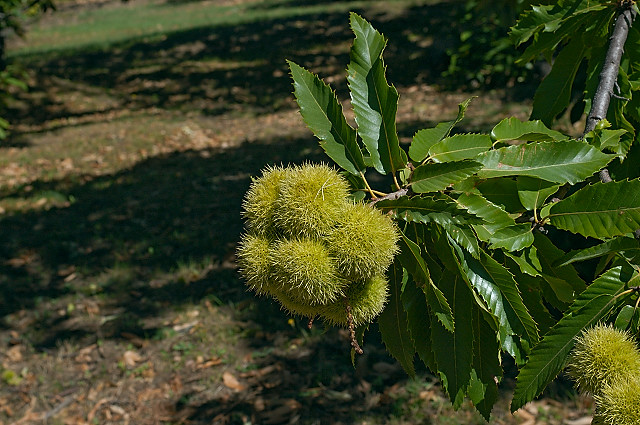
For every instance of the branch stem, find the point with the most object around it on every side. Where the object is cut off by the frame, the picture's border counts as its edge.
(352, 331)
(393, 195)
(395, 181)
(609, 75)
(366, 183)
(610, 69)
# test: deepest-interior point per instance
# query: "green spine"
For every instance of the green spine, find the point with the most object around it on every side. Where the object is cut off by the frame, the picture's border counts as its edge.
(312, 248)
(304, 270)
(603, 355)
(310, 201)
(364, 241)
(293, 306)
(366, 299)
(261, 200)
(619, 403)
(254, 262)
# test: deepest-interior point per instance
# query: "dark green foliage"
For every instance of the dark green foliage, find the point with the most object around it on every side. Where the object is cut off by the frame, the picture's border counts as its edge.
(487, 220)
(483, 56)
(577, 33)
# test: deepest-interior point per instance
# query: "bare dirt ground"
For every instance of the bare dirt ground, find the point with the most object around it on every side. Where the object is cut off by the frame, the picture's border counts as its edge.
(121, 189)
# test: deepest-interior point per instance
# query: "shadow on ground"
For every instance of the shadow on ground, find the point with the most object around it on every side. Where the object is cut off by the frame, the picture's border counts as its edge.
(119, 232)
(221, 69)
(114, 244)
(182, 207)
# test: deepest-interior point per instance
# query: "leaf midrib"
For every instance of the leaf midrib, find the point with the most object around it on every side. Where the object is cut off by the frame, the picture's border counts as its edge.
(525, 327)
(563, 164)
(382, 119)
(615, 211)
(481, 148)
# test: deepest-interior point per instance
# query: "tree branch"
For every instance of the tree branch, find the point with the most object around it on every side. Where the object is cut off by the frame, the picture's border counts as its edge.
(393, 195)
(609, 73)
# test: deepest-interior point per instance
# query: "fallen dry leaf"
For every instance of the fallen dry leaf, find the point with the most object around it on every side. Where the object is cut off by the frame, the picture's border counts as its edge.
(135, 339)
(117, 410)
(130, 358)
(66, 164)
(84, 355)
(5, 408)
(14, 354)
(232, 382)
(526, 417)
(92, 413)
(209, 363)
(261, 372)
(185, 326)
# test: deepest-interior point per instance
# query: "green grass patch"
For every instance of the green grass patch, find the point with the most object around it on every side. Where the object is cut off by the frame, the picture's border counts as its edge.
(102, 28)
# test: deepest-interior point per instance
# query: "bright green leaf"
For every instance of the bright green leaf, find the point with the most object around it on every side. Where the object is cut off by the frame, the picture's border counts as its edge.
(463, 235)
(493, 215)
(514, 129)
(443, 250)
(499, 290)
(608, 139)
(502, 192)
(552, 19)
(512, 238)
(476, 389)
(531, 22)
(527, 261)
(628, 318)
(459, 147)
(559, 162)
(554, 93)
(534, 192)
(439, 306)
(411, 259)
(501, 230)
(605, 248)
(436, 177)
(374, 102)
(547, 42)
(601, 210)
(438, 209)
(423, 140)
(322, 112)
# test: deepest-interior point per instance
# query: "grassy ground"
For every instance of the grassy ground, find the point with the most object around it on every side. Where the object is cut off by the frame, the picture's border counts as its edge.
(120, 193)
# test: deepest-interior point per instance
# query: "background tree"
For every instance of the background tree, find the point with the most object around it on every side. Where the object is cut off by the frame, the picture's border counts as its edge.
(13, 17)
(483, 55)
